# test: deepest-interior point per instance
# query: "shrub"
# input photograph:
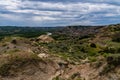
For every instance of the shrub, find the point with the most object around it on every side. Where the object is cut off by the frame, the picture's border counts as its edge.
(109, 50)
(106, 69)
(93, 45)
(77, 74)
(14, 41)
(113, 59)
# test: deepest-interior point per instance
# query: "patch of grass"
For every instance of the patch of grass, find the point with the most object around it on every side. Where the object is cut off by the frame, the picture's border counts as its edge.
(113, 60)
(17, 60)
(98, 64)
(12, 51)
(75, 75)
(4, 69)
(107, 69)
(92, 58)
(111, 47)
(116, 37)
(105, 54)
(57, 78)
(110, 43)
(4, 44)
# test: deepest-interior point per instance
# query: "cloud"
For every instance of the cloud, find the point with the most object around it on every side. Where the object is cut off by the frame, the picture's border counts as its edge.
(50, 12)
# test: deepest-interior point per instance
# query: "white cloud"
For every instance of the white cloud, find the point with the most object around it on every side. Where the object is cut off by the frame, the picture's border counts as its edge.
(103, 1)
(10, 4)
(83, 22)
(11, 17)
(43, 18)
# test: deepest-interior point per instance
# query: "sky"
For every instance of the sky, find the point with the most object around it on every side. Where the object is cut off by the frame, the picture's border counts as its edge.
(49, 13)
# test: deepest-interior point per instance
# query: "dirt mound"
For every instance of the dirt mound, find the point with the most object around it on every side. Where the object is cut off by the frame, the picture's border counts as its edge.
(45, 38)
(26, 66)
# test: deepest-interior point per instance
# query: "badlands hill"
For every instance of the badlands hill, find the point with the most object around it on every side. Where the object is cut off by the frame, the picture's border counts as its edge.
(68, 53)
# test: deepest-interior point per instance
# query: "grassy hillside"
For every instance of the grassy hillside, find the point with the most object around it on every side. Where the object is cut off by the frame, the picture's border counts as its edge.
(67, 53)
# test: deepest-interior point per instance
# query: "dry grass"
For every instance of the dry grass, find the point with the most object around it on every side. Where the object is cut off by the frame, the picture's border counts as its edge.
(16, 60)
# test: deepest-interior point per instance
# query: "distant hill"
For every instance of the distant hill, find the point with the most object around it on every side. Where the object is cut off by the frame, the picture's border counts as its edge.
(24, 31)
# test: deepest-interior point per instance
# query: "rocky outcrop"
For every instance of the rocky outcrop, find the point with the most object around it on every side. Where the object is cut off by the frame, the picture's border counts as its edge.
(45, 38)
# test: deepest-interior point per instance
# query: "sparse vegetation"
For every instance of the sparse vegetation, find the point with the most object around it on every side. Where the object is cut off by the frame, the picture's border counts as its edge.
(15, 61)
(116, 37)
(92, 48)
